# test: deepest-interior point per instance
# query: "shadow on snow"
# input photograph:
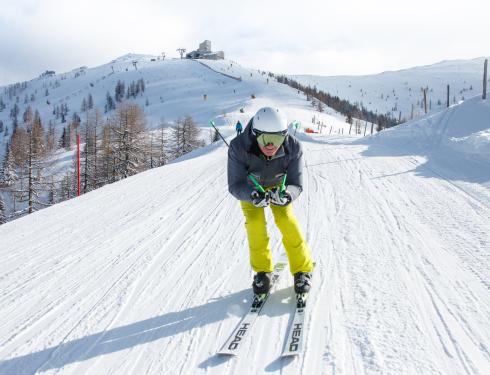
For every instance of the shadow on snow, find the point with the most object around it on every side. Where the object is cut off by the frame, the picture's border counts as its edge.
(140, 333)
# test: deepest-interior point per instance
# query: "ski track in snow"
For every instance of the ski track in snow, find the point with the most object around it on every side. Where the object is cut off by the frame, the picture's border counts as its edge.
(401, 283)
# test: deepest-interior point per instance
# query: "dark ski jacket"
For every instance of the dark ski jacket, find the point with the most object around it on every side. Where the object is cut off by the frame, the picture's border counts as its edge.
(245, 157)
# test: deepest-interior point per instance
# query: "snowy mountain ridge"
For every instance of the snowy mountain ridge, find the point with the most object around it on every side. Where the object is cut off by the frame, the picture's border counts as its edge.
(400, 90)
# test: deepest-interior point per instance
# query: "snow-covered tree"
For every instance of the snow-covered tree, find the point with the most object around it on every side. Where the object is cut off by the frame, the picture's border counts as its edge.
(90, 130)
(106, 160)
(50, 138)
(349, 119)
(28, 115)
(64, 112)
(83, 106)
(320, 106)
(161, 143)
(119, 91)
(128, 127)
(14, 113)
(8, 175)
(185, 136)
(90, 102)
(62, 143)
(68, 188)
(109, 103)
(53, 197)
(141, 85)
(3, 216)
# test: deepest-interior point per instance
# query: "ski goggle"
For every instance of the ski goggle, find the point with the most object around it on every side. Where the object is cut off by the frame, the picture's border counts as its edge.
(276, 139)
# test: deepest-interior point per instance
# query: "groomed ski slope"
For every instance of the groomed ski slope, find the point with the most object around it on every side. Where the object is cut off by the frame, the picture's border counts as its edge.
(150, 275)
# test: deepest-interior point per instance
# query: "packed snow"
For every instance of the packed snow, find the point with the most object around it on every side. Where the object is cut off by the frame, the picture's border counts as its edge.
(149, 275)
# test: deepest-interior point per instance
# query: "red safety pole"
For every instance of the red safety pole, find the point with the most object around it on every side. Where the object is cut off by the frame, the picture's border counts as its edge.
(78, 164)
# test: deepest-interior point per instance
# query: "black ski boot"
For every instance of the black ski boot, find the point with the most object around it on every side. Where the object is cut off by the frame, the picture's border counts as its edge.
(262, 282)
(302, 282)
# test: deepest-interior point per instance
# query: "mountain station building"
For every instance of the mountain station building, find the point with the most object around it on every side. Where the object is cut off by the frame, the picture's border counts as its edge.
(204, 52)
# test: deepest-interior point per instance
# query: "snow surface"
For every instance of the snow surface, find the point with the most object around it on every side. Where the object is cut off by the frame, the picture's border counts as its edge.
(396, 91)
(175, 88)
(149, 275)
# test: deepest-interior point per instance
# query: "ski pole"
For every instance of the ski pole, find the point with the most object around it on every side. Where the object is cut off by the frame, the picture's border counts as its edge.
(256, 183)
(296, 124)
(283, 184)
(211, 122)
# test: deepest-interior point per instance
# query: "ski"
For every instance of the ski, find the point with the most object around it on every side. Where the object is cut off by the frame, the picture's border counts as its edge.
(296, 331)
(294, 338)
(239, 334)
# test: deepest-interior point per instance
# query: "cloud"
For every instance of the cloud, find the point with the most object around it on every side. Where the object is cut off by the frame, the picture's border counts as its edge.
(351, 37)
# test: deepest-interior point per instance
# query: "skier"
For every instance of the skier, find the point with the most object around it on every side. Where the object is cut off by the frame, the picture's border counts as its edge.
(261, 162)
(239, 128)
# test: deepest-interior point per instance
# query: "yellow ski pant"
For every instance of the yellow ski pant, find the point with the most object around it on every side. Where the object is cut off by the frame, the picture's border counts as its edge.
(258, 240)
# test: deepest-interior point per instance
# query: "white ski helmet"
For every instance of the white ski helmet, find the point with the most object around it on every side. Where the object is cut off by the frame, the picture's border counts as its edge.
(270, 120)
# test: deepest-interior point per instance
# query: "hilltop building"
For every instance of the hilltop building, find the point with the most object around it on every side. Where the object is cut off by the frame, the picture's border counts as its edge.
(204, 52)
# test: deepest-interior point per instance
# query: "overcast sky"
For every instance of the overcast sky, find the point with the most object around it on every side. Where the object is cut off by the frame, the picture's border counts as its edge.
(289, 36)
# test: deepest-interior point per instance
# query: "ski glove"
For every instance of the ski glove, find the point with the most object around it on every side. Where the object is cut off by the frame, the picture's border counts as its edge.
(279, 198)
(259, 199)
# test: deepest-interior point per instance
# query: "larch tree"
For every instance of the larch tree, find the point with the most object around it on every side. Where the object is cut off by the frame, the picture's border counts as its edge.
(89, 153)
(162, 143)
(106, 160)
(129, 129)
(3, 216)
(185, 137)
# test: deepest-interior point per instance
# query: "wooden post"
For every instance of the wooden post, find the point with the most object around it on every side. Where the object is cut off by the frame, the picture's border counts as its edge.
(365, 128)
(372, 126)
(484, 96)
(350, 128)
(447, 101)
(425, 100)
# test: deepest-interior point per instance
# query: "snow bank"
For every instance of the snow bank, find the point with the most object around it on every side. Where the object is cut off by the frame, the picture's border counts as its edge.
(478, 143)
(463, 128)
